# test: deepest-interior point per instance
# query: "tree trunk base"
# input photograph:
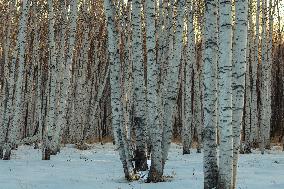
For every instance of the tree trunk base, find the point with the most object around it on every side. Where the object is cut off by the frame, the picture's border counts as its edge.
(36, 146)
(154, 176)
(1, 152)
(268, 147)
(245, 148)
(185, 151)
(46, 154)
(7, 154)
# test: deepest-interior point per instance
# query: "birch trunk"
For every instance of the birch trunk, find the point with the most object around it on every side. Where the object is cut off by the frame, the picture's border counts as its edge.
(254, 108)
(238, 80)
(197, 111)
(139, 88)
(61, 61)
(210, 95)
(66, 75)
(155, 130)
(225, 96)
(16, 122)
(81, 77)
(265, 106)
(8, 87)
(248, 92)
(170, 99)
(190, 60)
(51, 114)
(269, 76)
(186, 106)
(116, 105)
(39, 92)
(198, 80)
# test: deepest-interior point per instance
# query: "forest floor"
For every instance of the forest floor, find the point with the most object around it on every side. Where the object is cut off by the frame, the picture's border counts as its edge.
(100, 168)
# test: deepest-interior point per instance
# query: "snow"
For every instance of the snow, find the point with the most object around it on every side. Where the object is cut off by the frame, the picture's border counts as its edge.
(100, 168)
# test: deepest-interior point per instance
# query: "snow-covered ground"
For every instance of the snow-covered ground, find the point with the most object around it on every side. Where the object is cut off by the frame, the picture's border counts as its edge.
(100, 168)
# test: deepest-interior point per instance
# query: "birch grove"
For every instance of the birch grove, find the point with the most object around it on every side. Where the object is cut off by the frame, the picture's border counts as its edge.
(144, 74)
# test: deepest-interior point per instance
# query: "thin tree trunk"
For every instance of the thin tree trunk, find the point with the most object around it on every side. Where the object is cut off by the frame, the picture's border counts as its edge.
(269, 75)
(265, 97)
(8, 87)
(190, 60)
(155, 131)
(254, 108)
(51, 114)
(66, 75)
(16, 124)
(238, 80)
(225, 96)
(248, 97)
(210, 95)
(139, 88)
(170, 100)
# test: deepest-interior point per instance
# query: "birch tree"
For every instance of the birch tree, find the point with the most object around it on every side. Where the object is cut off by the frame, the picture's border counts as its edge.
(80, 101)
(170, 97)
(248, 96)
(155, 130)
(254, 107)
(238, 80)
(139, 87)
(8, 87)
(265, 85)
(225, 96)
(269, 76)
(190, 60)
(13, 133)
(198, 82)
(66, 76)
(51, 115)
(210, 94)
(116, 92)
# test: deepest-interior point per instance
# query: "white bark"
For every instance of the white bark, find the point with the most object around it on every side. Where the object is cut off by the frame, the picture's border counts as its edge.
(197, 112)
(248, 96)
(186, 113)
(265, 109)
(51, 114)
(238, 81)
(116, 105)
(8, 86)
(80, 101)
(16, 124)
(170, 98)
(190, 60)
(61, 61)
(155, 130)
(62, 110)
(126, 75)
(139, 86)
(225, 96)
(210, 94)
(198, 84)
(38, 110)
(269, 76)
(254, 108)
